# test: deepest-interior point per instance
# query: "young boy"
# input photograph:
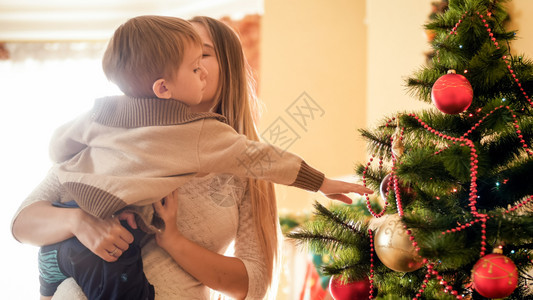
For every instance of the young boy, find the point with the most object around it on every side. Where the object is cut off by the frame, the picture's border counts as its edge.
(131, 151)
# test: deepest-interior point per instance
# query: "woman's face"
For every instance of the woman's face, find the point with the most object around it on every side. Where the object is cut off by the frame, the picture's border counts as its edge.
(209, 61)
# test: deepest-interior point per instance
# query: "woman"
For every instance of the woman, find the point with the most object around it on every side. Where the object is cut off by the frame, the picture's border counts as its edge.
(213, 211)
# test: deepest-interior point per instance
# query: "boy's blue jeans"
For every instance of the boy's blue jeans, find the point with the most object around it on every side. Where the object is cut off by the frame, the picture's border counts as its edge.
(122, 279)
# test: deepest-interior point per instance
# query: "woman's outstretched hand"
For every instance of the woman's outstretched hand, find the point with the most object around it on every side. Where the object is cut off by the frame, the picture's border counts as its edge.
(337, 190)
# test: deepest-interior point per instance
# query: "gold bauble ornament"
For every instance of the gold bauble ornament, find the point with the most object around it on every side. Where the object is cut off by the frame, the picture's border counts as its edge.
(393, 247)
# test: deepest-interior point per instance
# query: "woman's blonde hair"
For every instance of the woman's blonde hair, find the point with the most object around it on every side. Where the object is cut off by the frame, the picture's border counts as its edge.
(236, 100)
(145, 49)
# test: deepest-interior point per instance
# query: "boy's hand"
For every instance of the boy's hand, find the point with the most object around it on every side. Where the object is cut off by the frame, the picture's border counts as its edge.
(336, 190)
(129, 217)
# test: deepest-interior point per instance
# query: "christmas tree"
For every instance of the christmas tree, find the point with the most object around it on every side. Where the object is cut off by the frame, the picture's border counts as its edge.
(455, 181)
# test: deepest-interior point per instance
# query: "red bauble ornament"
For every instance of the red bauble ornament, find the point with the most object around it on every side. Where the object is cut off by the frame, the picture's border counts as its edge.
(495, 276)
(354, 290)
(452, 93)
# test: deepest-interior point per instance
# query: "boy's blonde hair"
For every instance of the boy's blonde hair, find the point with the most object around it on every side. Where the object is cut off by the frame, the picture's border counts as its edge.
(145, 49)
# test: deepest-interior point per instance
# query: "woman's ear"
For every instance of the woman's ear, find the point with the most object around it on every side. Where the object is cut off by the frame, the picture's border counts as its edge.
(160, 89)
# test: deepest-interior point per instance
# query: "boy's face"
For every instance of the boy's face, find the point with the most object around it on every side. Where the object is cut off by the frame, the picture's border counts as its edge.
(189, 83)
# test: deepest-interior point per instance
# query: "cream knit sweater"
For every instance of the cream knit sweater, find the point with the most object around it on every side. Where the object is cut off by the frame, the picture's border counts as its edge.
(129, 152)
(213, 211)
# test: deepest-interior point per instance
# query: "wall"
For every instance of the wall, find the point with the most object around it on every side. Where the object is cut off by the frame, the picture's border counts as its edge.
(317, 47)
(521, 20)
(396, 48)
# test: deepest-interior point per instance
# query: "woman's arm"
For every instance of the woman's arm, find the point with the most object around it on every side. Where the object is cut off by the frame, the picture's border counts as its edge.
(39, 223)
(248, 249)
(221, 273)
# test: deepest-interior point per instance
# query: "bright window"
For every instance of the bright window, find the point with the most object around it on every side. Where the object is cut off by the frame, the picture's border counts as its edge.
(37, 94)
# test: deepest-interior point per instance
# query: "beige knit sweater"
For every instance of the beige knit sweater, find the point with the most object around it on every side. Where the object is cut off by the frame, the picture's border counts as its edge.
(130, 153)
(213, 211)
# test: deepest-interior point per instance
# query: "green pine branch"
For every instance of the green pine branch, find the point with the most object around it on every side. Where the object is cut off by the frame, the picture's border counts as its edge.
(435, 174)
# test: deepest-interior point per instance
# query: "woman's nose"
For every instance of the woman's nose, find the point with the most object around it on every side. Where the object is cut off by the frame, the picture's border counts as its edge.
(204, 71)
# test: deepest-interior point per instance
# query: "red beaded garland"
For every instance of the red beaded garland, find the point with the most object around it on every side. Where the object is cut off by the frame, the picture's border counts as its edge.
(368, 206)
(464, 226)
(430, 273)
(474, 161)
(371, 292)
(504, 58)
(465, 142)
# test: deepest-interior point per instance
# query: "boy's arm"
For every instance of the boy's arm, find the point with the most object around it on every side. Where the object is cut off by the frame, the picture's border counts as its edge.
(222, 150)
(67, 139)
